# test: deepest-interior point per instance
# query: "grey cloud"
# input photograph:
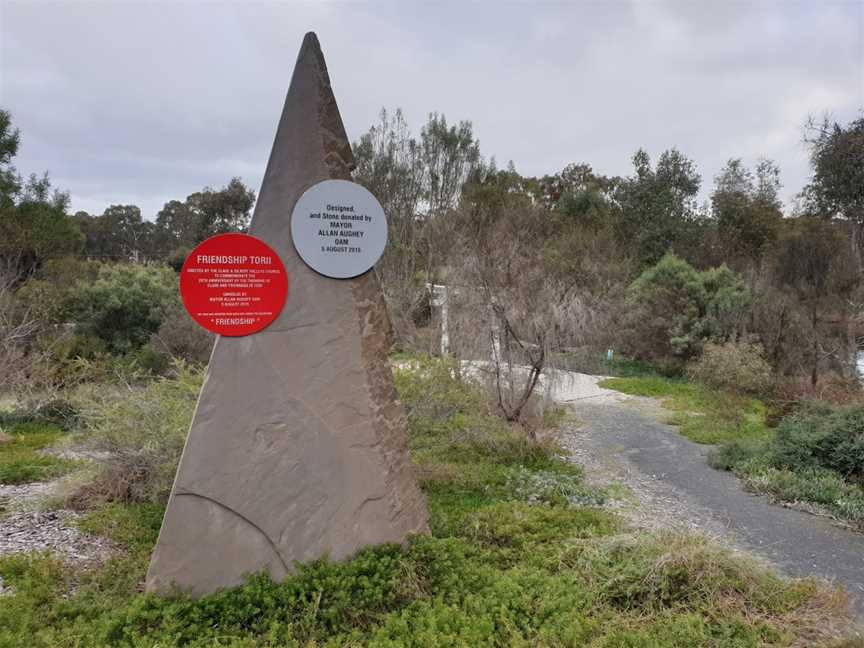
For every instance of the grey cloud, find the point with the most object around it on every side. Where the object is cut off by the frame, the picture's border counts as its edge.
(145, 103)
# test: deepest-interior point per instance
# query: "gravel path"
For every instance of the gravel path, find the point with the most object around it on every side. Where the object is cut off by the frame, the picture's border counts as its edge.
(24, 528)
(667, 484)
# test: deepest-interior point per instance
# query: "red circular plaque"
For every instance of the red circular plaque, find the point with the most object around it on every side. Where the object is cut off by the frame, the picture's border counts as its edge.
(233, 284)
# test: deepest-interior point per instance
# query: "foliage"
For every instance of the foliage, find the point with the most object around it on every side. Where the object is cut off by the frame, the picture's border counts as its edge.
(203, 214)
(657, 213)
(22, 459)
(837, 160)
(123, 306)
(180, 338)
(673, 309)
(36, 227)
(55, 411)
(734, 366)
(10, 139)
(513, 560)
(579, 195)
(418, 182)
(819, 489)
(814, 263)
(703, 415)
(815, 456)
(747, 209)
(141, 433)
(119, 233)
(823, 437)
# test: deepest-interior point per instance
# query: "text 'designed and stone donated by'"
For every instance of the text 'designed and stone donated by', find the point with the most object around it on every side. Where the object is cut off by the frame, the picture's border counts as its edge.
(339, 228)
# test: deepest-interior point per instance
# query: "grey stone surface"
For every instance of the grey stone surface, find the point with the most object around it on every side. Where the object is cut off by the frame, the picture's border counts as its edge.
(298, 446)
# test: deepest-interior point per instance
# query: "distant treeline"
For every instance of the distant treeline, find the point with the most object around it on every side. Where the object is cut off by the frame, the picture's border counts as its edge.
(560, 261)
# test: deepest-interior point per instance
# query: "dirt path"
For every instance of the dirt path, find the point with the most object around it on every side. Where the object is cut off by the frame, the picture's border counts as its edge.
(668, 484)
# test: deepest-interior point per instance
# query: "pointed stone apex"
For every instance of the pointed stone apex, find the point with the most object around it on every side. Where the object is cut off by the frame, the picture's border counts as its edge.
(310, 40)
(310, 131)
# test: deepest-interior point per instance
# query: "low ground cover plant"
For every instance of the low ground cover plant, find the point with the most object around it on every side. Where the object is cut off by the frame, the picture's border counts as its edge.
(23, 456)
(519, 555)
(815, 456)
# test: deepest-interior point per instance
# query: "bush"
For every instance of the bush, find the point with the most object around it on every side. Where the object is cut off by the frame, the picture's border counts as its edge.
(815, 456)
(40, 412)
(820, 437)
(180, 338)
(735, 454)
(141, 433)
(735, 367)
(57, 411)
(123, 306)
(673, 309)
(151, 361)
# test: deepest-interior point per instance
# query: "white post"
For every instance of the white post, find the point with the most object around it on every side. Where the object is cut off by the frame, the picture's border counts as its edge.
(439, 300)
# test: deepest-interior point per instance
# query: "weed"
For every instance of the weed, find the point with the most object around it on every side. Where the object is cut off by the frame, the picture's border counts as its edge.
(22, 459)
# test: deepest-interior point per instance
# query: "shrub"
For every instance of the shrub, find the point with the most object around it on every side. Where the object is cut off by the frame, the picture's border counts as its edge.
(141, 433)
(673, 309)
(736, 453)
(180, 338)
(820, 437)
(815, 456)
(39, 413)
(831, 388)
(57, 411)
(63, 359)
(123, 306)
(151, 361)
(736, 367)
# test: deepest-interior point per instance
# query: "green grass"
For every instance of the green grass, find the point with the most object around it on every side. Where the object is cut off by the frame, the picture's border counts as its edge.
(519, 555)
(21, 459)
(702, 415)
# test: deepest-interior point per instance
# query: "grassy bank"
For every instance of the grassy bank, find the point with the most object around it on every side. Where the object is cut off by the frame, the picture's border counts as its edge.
(790, 463)
(520, 554)
(703, 415)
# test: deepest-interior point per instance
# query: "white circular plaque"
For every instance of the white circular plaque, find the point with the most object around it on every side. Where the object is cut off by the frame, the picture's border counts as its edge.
(339, 228)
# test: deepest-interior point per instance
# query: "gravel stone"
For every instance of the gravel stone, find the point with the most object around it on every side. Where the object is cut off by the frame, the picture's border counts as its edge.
(54, 531)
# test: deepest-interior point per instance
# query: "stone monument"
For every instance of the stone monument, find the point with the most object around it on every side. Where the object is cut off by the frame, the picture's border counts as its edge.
(298, 446)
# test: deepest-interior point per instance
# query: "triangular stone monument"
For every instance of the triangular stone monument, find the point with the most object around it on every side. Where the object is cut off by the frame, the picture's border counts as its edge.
(298, 445)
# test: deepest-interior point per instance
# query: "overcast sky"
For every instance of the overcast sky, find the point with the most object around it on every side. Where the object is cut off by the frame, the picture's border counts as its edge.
(146, 102)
